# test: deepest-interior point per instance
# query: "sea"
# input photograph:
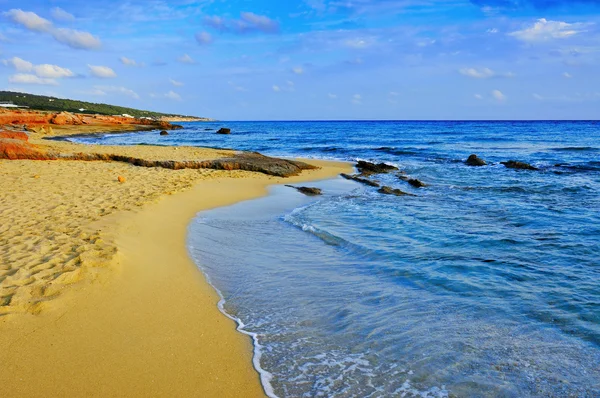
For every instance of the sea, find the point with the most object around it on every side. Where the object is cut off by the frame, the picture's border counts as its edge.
(485, 283)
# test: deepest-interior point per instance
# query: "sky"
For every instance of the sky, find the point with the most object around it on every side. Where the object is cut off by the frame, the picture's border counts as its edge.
(311, 59)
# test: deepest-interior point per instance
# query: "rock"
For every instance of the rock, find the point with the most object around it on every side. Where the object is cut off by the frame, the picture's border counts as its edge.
(416, 183)
(164, 132)
(224, 131)
(121, 179)
(18, 149)
(357, 178)
(475, 160)
(368, 168)
(208, 129)
(307, 190)
(390, 191)
(513, 164)
(14, 135)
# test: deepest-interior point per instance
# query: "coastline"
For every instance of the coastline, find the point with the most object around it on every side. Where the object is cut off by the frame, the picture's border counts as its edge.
(150, 325)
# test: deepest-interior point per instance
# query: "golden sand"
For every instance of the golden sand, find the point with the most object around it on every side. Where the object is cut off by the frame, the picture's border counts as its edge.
(98, 296)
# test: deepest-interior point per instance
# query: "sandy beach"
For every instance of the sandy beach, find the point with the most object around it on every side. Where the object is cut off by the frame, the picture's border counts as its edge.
(98, 296)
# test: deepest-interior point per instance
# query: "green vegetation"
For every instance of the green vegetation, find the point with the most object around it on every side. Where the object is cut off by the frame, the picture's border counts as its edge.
(43, 103)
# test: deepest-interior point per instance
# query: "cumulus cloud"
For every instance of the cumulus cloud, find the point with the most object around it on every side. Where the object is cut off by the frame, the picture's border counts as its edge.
(73, 38)
(28, 78)
(186, 59)
(567, 75)
(248, 22)
(332, 96)
(102, 90)
(357, 99)
(103, 72)
(478, 96)
(58, 14)
(29, 20)
(483, 73)
(128, 61)
(203, 38)
(498, 95)
(544, 30)
(175, 83)
(19, 64)
(276, 88)
(44, 71)
(298, 70)
(52, 71)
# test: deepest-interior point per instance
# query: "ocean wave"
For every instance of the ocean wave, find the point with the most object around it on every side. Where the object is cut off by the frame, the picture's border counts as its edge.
(576, 149)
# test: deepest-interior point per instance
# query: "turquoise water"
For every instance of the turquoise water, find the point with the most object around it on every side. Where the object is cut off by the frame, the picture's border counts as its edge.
(484, 284)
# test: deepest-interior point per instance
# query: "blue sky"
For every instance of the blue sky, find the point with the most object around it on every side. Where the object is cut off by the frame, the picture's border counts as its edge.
(311, 59)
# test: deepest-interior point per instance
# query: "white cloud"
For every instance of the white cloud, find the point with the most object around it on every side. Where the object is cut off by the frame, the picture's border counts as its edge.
(204, 38)
(578, 97)
(128, 61)
(103, 72)
(61, 15)
(76, 39)
(186, 59)
(544, 30)
(237, 87)
(52, 71)
(27, 78)
(483, 73)
(44, 71)
(567, 75)
(73, 38)
(172, 95)
(29, 20)
(357, 99)
(332, 96)
(276, 88)
(101, 90)
(247, 23)
(359, 43)
(498, 95)
(478, 96)
(175, 83)
(19, 64)
(298, 70)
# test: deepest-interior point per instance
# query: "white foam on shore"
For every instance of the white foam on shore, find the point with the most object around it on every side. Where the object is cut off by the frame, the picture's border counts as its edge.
(265, 376)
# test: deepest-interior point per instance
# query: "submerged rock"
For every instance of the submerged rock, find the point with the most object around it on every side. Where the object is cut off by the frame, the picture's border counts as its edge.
(357, 178)
(391, 191)
(416, 183)
(513, 164)
(224, 131)
(476, 161)
(308, 191)
(368, 168)
(164, 132)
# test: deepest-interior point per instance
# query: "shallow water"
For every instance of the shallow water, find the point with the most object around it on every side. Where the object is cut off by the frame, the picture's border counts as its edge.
(484, 284)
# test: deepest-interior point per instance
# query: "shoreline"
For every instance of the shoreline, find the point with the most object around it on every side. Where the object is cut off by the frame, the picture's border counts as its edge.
(150, 325)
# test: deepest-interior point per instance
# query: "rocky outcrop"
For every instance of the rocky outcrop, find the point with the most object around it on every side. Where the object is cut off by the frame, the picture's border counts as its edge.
(14, 135)
(164, 132)
(391, 191)
(308, 191)
(475, 161)
(416, 183)
(361, 180)
(513, 164)
(18, 148)
(368, 168)
(66, 118)
(224, 130)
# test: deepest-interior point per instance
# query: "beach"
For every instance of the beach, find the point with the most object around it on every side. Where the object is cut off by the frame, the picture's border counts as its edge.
(100, 297)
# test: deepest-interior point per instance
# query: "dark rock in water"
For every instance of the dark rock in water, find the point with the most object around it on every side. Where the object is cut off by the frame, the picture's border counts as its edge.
(391, 191)
(164, 132)
(475, 160)
(357, 178)
(416, 183)
(308, 191)
(403, 177)
(513, 164)
(176, 127)
(208, 129)
(224, 131)
(368, 168)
